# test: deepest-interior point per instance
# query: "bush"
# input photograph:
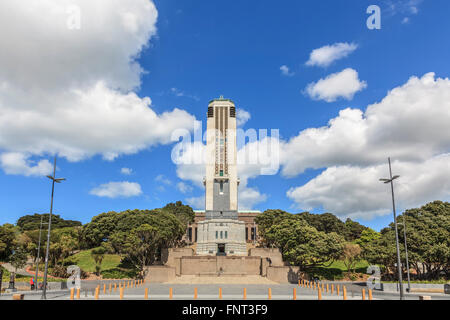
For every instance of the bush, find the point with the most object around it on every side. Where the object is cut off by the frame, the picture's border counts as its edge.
(70, 261)
(325, 273)
(61, 272)
(353, 277)
(118, 273)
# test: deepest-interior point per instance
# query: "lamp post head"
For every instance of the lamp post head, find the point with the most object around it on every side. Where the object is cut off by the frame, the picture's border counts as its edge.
(57, 180)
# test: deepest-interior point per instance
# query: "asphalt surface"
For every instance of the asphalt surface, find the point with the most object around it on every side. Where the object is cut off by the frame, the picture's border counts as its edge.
(211, 292)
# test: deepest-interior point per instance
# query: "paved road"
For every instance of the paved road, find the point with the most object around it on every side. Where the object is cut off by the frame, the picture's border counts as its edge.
(229, 292)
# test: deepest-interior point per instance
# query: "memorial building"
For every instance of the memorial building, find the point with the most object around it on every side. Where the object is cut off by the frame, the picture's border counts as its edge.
(222, 241)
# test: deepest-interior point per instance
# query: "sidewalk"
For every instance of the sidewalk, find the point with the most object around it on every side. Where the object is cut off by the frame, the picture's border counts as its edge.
(10, 268)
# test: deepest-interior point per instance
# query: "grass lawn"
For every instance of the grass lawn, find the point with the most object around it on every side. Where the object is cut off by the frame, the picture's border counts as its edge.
(85, 261)
(111, 268)
(360, 267)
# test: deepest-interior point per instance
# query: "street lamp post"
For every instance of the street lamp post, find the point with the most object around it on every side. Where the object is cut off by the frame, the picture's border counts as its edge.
(44, 291)
(254, 232)
(399, 268)
(38, 255)
(406, 252)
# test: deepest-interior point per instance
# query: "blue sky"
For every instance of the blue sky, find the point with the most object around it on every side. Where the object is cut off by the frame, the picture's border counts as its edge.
(200, 50)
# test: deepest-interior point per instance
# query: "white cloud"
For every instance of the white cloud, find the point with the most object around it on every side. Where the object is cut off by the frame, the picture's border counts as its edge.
(98, 120)
(410, 125)
(411, 117)
(343, 84)
(197, 203)
(191, 167)
(43, 53)
(413, 9)
(190, 162)
(123, 189)
(250, 197)
(285, 71)
(126, 171)
(403, 6)
(69, 91)
(178, 93)
(161, 178)
(242, 117)
(184, 187)
(355, 192)
(19, 164)
(326, 55)
(406, 8)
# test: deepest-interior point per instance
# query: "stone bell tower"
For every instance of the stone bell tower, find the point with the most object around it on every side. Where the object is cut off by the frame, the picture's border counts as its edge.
(221, 232)
(221, 179)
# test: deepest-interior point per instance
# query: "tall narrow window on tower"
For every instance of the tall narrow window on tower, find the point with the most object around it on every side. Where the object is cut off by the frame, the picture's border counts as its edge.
(233, 112)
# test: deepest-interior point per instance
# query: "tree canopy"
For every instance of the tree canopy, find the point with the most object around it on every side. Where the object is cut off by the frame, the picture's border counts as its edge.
(183, 212)
(300, 243)
(306, 240)
(428, 240)
(7, 241)
(32, 222)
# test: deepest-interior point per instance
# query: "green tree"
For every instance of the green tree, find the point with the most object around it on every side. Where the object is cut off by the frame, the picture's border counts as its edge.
(267, 219)
(353, 230)
(382, 251)
(428, 239)
(19, 258)
(142, 234)
(367, 236)
(302, 245)
(141, 246)
(103, 226)
(7, 241)
(98, 254)
(325, 222)
(100, 228)
(63, 243)
(32, 222)
(351, 254)
(183, 212)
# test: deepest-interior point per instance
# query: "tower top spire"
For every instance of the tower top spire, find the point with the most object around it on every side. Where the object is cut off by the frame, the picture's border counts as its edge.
(221, 98)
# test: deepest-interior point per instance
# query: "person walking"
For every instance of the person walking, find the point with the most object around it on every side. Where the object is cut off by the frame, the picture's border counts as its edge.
(32, 283)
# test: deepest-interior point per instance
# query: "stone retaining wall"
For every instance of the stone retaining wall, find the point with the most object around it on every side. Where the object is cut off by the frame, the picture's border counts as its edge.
(273, 254)
(219, 265)
(158, 274)
(283, 274)
(394, 287)
(266, 262)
